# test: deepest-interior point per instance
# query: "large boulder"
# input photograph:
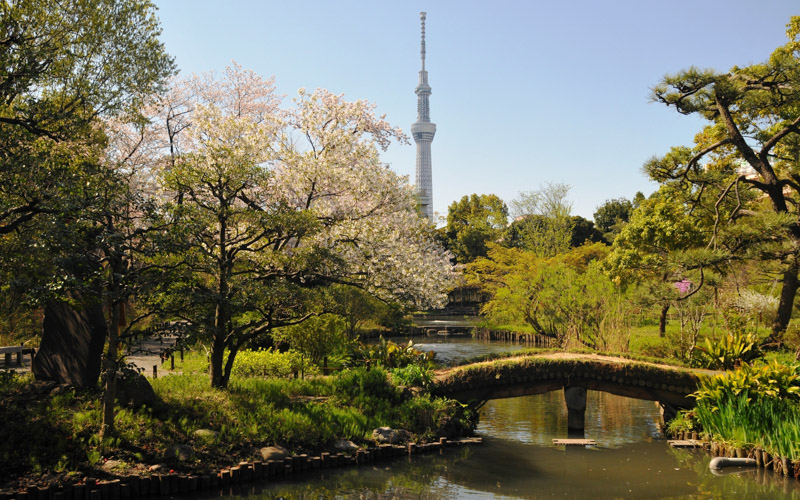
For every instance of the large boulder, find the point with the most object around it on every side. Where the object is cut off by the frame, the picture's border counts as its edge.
(388, 435)
(133, 389)
(345, 445)
(72, 345)
(274, 453)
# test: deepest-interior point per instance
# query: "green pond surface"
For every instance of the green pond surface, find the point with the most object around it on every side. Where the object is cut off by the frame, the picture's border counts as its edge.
(517, 460)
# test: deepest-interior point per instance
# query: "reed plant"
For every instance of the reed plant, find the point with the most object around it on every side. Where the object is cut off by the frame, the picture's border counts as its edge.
(754, 406)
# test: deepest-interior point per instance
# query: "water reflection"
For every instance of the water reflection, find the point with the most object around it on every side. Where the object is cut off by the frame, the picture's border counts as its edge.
(451, 350)
(610, 420)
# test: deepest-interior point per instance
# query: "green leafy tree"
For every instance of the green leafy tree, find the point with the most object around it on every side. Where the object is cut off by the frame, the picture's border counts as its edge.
(315, 339)
(121, 234)
(566, 296)
(660, 245)
(472, 222)
(543, 222)
(518, 234)
(583, 231)
(611, 216)
(67, 64)
(743, 164)
(273, 206)
(354, 305)
(70, 69)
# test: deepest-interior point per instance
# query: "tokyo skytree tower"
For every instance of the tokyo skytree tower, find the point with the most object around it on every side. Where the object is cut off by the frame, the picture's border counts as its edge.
(423, 131)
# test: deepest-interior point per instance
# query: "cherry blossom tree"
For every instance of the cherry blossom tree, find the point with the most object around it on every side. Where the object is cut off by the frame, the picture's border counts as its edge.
(272, 204)
(367, 212)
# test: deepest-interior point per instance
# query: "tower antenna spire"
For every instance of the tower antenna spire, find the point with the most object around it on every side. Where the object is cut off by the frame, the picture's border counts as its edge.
(422, 16)
(423, 131)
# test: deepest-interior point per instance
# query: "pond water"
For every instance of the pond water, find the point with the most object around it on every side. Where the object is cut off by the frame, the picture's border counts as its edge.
(517, 460)
(451, 350)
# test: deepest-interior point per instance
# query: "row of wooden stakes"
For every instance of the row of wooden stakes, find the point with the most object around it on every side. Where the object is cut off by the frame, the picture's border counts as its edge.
(132, 487)
(783, 465)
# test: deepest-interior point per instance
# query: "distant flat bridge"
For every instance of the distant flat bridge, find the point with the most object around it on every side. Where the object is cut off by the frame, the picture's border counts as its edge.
(575, 374)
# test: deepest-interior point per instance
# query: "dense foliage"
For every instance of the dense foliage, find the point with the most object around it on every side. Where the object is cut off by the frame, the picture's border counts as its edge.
(472, 223)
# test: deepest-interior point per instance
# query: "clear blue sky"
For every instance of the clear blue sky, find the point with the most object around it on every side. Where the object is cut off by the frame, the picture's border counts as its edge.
(524, 92)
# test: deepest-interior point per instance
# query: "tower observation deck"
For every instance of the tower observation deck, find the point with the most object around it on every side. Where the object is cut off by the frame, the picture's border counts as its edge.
(423, 131)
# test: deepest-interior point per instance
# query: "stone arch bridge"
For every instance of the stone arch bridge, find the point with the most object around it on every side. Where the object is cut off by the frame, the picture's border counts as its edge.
(516, 376)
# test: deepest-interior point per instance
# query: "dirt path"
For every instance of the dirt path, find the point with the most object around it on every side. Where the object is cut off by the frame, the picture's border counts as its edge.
(147, 353)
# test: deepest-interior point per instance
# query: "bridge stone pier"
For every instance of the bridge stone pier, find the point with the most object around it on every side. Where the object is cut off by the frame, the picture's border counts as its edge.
(574, 373)
(576, 409)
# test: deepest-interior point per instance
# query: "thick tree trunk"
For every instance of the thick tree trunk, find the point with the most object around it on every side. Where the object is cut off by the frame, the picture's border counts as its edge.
(110, 374)
(222, 316)
(215, 363)
(786, 304)
(662, 320)
(226, 372)
(219, 373)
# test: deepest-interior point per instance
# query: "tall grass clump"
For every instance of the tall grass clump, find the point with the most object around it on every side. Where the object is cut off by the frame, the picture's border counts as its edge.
(753, 406)
(367, 389)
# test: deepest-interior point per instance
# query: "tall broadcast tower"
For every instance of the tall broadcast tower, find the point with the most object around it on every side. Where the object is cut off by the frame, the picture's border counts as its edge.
(423, 131)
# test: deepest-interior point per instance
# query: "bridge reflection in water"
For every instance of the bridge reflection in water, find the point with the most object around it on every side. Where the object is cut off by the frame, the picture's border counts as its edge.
(612, 421)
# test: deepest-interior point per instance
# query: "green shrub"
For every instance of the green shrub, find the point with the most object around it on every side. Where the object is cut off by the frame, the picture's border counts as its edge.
(683, 421)
(389, 355)
(363, 383)
(412, 375)
(267, 363)
(429, 416)
(724, 354)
